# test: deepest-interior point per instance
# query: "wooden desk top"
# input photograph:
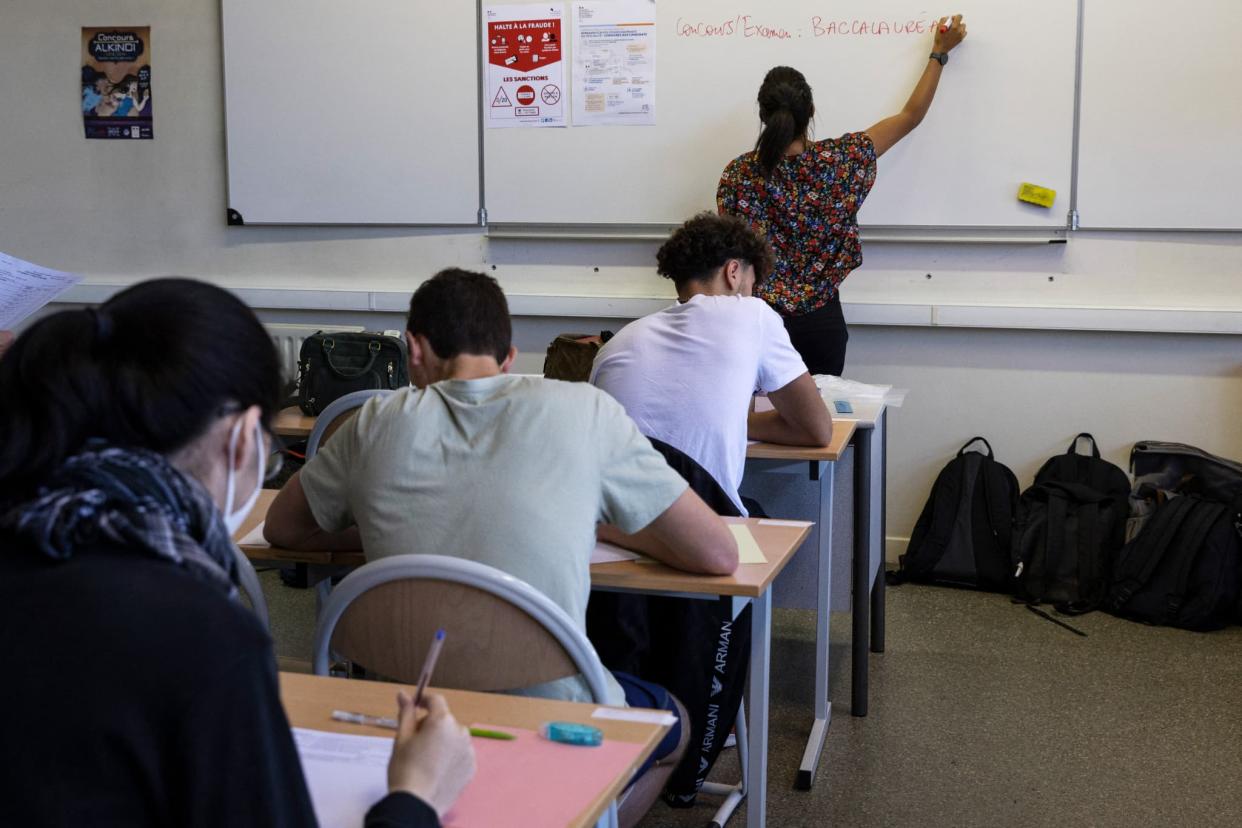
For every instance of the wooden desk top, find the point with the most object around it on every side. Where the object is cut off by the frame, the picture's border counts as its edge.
(310, 700)
(777, 542)
(291, 422)
(842, 431)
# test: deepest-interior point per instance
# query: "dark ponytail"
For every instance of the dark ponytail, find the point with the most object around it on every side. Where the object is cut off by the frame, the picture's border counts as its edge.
(785, 108)
(152, 367)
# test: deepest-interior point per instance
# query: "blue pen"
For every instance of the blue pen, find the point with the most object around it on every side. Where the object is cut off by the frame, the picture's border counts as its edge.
(429, 664)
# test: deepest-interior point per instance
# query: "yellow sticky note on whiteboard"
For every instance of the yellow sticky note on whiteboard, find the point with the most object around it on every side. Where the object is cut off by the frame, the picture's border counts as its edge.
(748, 551)
(1034, 194)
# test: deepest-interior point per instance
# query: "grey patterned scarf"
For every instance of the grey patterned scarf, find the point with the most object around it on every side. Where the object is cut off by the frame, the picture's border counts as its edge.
(128, 499)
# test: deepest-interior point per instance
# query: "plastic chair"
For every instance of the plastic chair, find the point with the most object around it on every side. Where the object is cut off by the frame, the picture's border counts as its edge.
(335, 415)
(503, 634)
(248, 581)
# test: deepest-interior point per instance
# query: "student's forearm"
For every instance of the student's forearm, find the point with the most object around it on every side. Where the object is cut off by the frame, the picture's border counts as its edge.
(771, 427)
(315, 539)
(687, 536)
(291, 524)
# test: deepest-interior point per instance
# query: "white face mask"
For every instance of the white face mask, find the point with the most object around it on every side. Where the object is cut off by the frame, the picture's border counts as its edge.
(233, 519)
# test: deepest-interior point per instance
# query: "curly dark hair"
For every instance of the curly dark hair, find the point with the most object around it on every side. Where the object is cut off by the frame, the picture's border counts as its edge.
(706, 242)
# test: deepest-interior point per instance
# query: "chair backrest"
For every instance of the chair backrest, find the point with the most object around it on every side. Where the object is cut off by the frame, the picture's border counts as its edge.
(335, 415)
(503, 634)
(248, 581)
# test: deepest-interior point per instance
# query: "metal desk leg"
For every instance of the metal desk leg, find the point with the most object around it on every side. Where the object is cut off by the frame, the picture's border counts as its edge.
(823, 707)
(877, 591)
(861, 601)
(757, 707)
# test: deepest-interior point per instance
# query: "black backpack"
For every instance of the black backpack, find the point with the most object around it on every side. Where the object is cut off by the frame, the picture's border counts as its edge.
(962, 537)
(1182, 570)
(1070, 527)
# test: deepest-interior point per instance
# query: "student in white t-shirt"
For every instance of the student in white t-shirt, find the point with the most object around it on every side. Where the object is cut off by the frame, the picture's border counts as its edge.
(686, 374)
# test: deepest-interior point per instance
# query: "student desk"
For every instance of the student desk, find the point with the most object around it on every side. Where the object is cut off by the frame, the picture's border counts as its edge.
(291, 422)
(750, 584)
(865, 430)
(310, 700)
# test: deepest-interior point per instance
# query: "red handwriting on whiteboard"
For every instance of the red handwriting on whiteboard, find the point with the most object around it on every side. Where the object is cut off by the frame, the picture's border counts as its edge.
(741, 25)
(746, 26)
(826, 28)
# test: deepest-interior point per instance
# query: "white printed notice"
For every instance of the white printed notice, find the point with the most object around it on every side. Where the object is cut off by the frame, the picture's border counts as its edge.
(26, 287)
(614, 63)
(525, 72)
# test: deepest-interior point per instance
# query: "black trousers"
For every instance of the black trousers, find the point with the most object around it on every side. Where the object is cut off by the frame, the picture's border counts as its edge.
(820, 337)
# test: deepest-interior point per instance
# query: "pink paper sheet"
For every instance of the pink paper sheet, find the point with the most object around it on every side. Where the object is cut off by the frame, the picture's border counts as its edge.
(533, 782)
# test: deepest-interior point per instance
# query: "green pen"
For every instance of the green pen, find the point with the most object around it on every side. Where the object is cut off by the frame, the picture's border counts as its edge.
(391, 724)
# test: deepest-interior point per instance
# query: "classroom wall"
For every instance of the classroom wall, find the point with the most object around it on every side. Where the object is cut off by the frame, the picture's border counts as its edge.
(121, 211)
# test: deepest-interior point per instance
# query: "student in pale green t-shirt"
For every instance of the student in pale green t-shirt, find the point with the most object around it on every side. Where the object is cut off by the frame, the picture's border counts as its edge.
(511, 471)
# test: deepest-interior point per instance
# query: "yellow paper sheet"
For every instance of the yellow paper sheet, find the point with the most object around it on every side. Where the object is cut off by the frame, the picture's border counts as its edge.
(748, 551)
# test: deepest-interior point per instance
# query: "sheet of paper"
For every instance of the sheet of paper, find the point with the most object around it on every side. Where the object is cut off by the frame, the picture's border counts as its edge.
(26, 287)
(255, 537)
(614, 71)
(748, 551)
(795, 523)
(529, 781)
(607, 553)
(625, 715)
(525, 71)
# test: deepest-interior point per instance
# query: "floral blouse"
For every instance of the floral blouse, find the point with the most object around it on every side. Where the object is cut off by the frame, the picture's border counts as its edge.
(808, 210)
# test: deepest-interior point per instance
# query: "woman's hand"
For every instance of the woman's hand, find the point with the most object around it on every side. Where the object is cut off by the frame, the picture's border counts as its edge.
(432, 759)
(949, 33)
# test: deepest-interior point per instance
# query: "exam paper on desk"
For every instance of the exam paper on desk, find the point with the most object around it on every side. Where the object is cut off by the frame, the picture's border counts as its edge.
(553, 783)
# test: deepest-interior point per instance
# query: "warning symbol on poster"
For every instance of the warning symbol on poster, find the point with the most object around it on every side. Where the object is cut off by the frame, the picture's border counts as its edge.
(523, 46)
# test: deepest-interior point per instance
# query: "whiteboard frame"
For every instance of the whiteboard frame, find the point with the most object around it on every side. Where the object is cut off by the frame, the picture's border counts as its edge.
(963, 233)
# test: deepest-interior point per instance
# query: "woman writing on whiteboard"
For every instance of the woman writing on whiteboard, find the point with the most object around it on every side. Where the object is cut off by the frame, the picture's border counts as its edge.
(804, 196)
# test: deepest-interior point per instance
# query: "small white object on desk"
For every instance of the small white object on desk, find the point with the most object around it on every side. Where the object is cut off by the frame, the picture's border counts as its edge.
(629, 715)
(607, 553)
(255, 538)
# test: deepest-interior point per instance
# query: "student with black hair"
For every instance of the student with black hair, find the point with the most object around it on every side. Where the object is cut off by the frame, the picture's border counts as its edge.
(804, 196)
(516, 472)
(686, 374)
(134, 443)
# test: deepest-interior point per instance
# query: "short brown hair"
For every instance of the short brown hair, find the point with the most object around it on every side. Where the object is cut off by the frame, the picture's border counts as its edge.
(462, 312)
(706, 242)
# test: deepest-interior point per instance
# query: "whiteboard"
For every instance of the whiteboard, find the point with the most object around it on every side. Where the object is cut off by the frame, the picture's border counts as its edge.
(1161, 115)
(1004, 114)
(363, 112)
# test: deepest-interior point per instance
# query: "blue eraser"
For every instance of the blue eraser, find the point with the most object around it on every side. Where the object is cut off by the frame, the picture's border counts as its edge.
(843, 406)
(569, 733)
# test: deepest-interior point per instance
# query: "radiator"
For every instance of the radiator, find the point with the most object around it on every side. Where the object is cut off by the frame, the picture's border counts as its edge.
(289, 337)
